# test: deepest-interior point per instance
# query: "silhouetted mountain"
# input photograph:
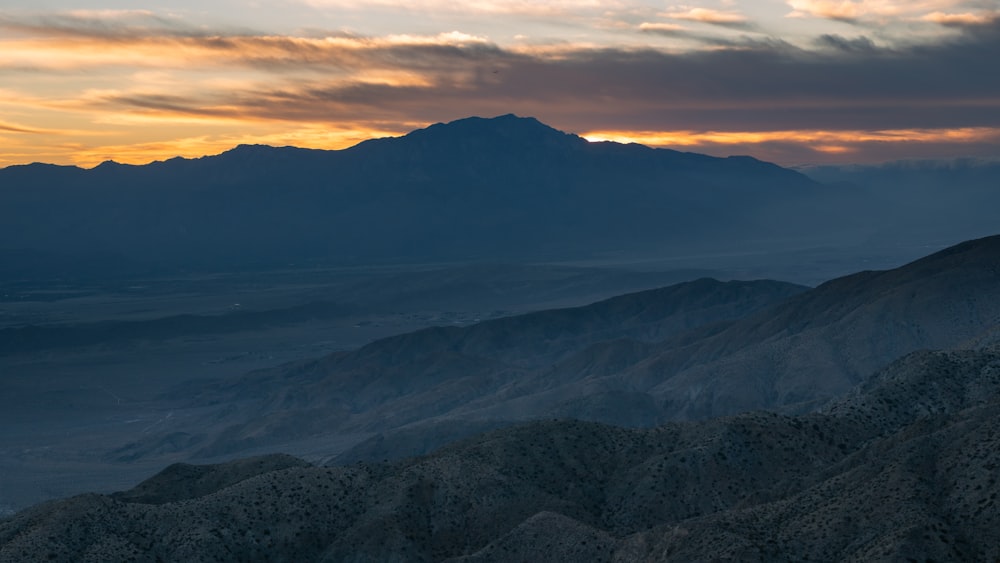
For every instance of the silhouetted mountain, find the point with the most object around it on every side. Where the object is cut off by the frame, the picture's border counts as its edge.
(501, 188)
(902, 468)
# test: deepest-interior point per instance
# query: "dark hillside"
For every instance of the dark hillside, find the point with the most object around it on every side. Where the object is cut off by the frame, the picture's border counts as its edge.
(868, 478)
(506, 188)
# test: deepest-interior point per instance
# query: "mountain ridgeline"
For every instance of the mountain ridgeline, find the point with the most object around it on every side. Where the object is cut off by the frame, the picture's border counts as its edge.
(506, 188)
(691, 351)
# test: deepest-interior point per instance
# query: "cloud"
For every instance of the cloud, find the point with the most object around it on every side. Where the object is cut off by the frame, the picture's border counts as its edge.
(487, 7)
(100, 23)
(798, 146)
(220, 83)
(816, 138)
(854, 10)
(705, 15)
(280, 53)
(663, 27)
(321, 136)
(962, 19)
(770, 85)
(840, 43)
(14, 128)
(431, 78)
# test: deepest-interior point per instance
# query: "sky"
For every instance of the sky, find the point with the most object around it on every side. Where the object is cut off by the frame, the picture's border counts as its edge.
(790, 81)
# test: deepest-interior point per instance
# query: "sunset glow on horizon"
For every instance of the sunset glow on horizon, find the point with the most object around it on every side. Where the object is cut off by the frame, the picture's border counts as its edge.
(802, 81)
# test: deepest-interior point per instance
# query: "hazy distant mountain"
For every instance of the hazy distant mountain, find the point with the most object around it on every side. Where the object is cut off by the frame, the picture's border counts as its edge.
(927, 199)
(687, 352)
(496, 189)
(902, 468)
(920, 176)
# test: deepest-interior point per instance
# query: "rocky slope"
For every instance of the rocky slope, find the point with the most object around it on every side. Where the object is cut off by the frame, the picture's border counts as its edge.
(425, 375)
(821, 343)
(903, 467)
(688, 352)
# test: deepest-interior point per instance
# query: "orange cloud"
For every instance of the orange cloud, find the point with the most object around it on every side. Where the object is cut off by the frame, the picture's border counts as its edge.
(323, 136)
(705, 15)
(138, 96)
(495, 7)
(316, 136)
(850, 10)
(166, 51)
(965, 18)
(15, 128)
(824, 141)
(796, 147)
(661, 26)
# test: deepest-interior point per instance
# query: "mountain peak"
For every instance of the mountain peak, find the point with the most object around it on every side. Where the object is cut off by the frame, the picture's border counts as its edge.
(252, 149)
(110, 165)
(505, 128)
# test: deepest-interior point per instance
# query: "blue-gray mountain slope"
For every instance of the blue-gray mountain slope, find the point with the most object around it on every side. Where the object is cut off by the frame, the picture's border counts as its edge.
(505, 188)
(633, 361)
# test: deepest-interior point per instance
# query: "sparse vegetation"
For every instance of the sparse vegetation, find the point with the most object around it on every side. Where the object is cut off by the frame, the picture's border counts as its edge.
(865, 479)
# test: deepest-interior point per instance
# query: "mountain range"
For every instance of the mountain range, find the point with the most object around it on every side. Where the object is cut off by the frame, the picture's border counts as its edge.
(506, 188)
(710, 419)
(691, 351)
